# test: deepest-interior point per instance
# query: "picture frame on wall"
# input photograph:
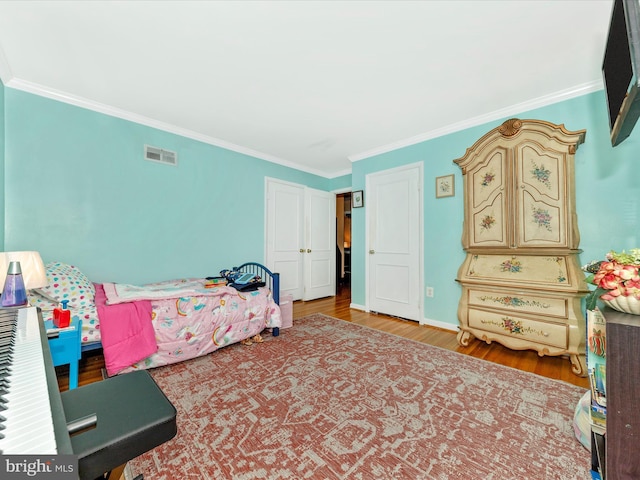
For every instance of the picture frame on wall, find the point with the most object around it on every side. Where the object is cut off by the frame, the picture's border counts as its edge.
(445, 186)
(357, 199)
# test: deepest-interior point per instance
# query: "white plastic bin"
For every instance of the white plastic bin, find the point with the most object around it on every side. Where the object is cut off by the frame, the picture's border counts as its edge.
(286, 310)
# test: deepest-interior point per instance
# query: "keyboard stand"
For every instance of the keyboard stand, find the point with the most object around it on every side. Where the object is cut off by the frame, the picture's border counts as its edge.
(117, 420)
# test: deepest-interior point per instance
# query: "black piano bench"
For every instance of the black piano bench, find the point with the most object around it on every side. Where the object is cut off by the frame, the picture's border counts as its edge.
(116, 420)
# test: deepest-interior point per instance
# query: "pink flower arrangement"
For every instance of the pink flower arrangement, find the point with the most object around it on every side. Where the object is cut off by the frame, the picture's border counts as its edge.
(616, 276)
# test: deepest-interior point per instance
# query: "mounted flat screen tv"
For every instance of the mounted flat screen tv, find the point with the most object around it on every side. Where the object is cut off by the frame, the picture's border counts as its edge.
(620, 69)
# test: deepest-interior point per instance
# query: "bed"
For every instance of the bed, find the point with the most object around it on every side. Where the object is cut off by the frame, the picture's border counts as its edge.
(140, 327)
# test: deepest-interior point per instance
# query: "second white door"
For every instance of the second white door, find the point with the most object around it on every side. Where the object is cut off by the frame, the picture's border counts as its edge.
(394, 242)
(320, 254)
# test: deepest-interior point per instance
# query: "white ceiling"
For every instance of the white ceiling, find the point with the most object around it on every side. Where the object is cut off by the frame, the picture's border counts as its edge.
(311, 84)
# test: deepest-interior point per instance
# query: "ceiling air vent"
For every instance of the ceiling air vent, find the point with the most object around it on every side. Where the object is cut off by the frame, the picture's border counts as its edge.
(155, 154)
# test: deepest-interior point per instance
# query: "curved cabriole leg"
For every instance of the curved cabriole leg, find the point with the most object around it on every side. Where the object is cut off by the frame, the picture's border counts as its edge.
(464, 338)
(578, 365)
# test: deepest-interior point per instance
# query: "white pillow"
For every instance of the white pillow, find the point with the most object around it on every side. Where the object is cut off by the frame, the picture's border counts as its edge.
(67, 282)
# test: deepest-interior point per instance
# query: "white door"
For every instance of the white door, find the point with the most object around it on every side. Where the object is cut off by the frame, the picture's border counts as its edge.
(285, 235)
(394, 226)
(301, 239)
(320, 252)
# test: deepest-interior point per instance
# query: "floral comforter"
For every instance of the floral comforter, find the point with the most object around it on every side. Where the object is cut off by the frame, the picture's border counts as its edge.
(190, 326)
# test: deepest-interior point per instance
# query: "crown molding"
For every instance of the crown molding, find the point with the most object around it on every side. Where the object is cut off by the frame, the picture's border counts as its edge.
(5, 69)
(36, 89)
(518, 108)
(61, 96)
(339, 174)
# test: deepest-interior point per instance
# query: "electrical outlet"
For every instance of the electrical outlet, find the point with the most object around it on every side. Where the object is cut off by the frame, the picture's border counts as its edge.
(429, 291)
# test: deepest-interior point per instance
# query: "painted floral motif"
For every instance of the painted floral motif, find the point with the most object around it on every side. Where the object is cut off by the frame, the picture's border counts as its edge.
(541, 174)
(517, 302)
(472, 272)
(514, 327)
(513, 266)
(561, 278)
(542, 218)
(487, 179)
(487, 222)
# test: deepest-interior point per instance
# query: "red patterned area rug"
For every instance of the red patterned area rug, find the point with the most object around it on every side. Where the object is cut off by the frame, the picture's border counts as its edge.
(328, 399)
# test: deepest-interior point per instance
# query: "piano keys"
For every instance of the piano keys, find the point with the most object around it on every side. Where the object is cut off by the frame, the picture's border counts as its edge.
(33, 420)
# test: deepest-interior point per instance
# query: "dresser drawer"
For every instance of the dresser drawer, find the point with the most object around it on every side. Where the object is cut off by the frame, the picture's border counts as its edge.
(527, 270)
(517, 302)
(547, 333)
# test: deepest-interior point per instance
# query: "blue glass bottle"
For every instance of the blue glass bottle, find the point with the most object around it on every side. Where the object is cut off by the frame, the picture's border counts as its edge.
(14, 293)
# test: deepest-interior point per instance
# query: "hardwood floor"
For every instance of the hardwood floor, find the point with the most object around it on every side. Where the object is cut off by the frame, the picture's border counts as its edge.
(553, 367)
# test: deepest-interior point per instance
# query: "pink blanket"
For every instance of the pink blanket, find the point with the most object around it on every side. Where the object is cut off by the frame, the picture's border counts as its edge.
(127, 332)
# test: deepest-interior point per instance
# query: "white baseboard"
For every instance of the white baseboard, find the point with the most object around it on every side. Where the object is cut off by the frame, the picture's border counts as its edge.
(439, 324)
(425, 321)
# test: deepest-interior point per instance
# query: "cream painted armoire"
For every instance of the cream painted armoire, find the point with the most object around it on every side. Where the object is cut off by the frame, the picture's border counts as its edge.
(521, 279)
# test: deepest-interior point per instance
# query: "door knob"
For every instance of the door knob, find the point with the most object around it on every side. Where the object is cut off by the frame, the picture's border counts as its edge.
(372, 252)
(308, 250)
(302, 250)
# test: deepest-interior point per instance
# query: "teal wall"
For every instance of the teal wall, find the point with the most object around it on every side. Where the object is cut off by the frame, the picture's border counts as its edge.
(340, 183)
(607, 196)
(79, 191)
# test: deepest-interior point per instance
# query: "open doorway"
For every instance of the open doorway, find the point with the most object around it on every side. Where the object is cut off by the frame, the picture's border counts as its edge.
(343, 242)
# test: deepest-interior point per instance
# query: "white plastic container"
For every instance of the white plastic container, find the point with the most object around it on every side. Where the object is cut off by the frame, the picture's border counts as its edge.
(286, 310)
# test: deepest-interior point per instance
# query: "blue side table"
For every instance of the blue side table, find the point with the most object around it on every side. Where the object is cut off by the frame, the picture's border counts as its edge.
(65, 347)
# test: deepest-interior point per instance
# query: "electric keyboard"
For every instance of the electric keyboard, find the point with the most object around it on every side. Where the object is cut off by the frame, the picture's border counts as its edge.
(32, 420)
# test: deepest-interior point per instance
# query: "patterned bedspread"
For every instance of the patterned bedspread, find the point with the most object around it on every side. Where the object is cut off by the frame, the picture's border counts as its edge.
(188, 327)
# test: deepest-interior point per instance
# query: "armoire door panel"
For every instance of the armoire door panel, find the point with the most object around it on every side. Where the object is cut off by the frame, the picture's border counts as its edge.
(542, 224)
(489, 225)
(541, 199)
(489, 178)
(541, 170)
(488, 211)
